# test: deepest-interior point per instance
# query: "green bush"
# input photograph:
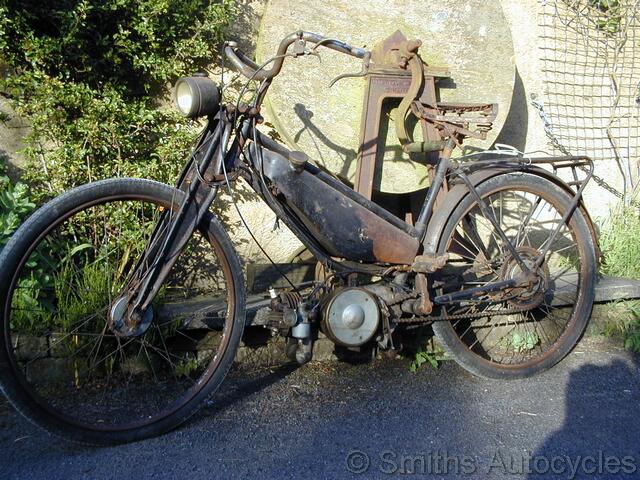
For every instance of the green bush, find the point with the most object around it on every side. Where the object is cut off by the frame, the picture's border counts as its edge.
(90, 76)
(619, 242)
(15, 205)
(610, 18)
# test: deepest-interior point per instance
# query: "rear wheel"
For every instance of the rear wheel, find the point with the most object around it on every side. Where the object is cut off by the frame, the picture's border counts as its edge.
(62, 363)
(516, 332)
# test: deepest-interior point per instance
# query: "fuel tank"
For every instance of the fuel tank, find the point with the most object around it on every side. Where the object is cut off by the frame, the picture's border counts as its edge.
(345, 223)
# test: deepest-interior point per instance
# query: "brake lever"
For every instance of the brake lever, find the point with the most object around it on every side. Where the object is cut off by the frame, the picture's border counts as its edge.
(313, 53)
(362, 73)
(300, 50)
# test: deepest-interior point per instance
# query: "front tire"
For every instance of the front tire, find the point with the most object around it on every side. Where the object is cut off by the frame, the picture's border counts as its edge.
(63, 367)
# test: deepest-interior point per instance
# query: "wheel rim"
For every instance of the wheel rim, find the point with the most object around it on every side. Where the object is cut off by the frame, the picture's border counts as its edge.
(60, 347)
(519, 339)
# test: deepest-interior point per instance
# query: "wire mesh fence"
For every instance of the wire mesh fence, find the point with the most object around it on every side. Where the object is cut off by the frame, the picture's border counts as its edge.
(591, 102)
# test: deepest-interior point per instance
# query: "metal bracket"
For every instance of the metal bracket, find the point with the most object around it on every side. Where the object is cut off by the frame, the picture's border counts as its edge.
(386, 79)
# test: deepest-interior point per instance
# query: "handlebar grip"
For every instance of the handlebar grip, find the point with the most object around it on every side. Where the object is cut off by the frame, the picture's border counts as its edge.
(334, 44)
(243, 64)
(249, 69)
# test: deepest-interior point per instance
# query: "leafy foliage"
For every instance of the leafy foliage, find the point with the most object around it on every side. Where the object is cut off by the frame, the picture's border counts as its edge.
(89, 75)
(421, 358)
(632, 340)
(522, 343)
(421, 348)
(15, 205)
(630, 325)
(610, 18)
(619, 242)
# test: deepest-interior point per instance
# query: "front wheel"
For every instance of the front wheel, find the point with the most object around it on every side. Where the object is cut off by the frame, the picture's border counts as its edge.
(516, 332)
(63, 365)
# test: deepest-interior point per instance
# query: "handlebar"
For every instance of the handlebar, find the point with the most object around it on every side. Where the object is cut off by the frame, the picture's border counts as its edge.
(250, 69)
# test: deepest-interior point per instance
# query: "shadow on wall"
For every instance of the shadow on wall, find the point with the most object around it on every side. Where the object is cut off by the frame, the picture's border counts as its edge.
(349, 156)
(8, 166)
(315, 134)
(599, 436)
(514, 131)
(245, 23)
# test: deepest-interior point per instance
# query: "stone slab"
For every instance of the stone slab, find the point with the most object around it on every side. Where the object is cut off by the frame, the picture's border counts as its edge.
(609, 289)
(471, 38)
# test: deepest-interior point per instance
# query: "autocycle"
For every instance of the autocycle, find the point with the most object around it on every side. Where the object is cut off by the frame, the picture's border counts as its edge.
(123, 300)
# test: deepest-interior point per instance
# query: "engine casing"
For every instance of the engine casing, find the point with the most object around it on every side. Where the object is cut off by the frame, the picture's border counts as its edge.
(351, 317)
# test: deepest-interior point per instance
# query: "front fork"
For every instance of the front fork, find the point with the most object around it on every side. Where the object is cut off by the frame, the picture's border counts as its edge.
(131, 314)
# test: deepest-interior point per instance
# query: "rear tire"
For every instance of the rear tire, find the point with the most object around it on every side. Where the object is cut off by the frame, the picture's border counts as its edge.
(527, 347)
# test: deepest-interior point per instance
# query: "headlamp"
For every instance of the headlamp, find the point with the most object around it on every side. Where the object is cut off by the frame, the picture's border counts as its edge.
(197, 96)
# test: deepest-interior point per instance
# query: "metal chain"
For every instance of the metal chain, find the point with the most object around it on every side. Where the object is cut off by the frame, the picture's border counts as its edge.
(427, 319)
(460, 316)
(548, 130)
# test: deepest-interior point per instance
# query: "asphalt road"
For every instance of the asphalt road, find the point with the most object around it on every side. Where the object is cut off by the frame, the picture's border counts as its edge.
(335, 420)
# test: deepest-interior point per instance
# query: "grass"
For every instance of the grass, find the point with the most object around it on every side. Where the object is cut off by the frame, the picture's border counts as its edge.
(422, 349)
(620, 244)
(82, 292)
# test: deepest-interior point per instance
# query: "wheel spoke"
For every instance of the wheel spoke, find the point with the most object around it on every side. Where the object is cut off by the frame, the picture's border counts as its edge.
(105, 378)
(542, 311)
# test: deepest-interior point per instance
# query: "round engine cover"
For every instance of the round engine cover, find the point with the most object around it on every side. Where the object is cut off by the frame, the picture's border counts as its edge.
(351, 317)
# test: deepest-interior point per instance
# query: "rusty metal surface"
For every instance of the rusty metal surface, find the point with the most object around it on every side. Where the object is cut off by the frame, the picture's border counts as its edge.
(343, 222)
(387, 79)
(423, 306)
(459, 120)
(429, 263)
(396, 70)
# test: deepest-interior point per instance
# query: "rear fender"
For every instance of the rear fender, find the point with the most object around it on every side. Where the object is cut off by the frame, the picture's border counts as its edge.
(458, 192)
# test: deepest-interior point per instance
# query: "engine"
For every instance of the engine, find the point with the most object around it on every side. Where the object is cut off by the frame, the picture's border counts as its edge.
(351, 317)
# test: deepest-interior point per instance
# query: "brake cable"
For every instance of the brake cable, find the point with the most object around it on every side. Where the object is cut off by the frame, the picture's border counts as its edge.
(226, 176)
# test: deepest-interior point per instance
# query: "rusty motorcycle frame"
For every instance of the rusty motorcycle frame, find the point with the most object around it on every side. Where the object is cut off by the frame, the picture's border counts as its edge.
(464, 266)
(343, 229)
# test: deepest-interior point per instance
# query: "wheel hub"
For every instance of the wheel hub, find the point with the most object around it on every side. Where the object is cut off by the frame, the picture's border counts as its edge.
(531, 294)
(125, 324)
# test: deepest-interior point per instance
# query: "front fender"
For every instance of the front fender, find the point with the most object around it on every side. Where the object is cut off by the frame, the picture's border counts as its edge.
(458, 192)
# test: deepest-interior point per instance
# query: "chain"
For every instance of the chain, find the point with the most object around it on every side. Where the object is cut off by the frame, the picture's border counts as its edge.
(548, 130)
(427, 319)
(439, 318)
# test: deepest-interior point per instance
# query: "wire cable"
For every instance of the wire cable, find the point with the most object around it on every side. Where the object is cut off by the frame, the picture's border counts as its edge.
(224, 152)
(246, 226)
